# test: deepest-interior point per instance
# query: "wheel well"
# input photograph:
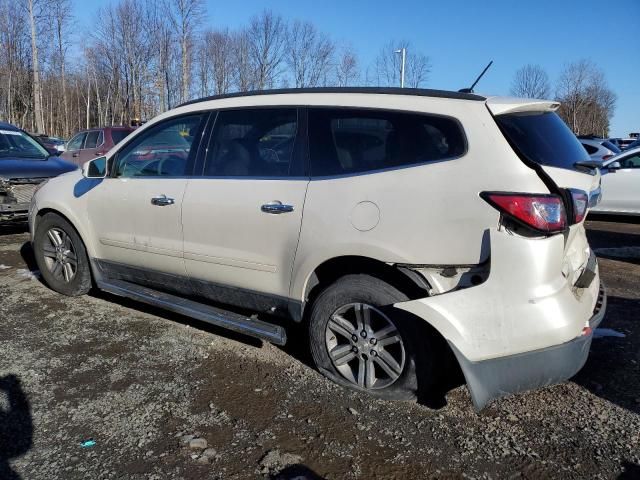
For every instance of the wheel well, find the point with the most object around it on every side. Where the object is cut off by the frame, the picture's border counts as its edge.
(331, 270)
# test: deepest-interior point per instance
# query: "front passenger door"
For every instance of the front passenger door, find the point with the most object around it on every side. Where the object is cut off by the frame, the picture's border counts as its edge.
(136, 212)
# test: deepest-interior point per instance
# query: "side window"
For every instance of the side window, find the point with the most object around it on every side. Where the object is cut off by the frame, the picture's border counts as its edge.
(589, 148)
(76, 142)
(346, 141)
(100, 140)
(163, 150)
(252, 143)
(92, 139)
(631, 162)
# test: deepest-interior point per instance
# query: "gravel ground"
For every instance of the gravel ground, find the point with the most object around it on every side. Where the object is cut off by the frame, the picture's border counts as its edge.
(98, 387)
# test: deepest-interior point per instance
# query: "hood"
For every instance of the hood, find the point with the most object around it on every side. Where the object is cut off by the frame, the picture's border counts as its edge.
(34, 167)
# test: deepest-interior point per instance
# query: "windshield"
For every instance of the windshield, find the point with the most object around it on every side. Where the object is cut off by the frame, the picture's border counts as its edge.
(542, 137)
(14, 143)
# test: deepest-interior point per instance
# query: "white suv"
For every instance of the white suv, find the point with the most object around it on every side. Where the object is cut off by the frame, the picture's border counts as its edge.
(399, 225)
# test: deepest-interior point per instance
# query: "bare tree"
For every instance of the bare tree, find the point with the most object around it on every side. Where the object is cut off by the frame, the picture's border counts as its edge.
(531, 81)
(309, 54)
(34, 8)
(186, 16)
(388, 65)
(586, 102)
(266, 37)
(62, 18)
(347, 68)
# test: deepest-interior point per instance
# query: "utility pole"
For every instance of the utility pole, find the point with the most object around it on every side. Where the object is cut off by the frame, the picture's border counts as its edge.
(403, 53)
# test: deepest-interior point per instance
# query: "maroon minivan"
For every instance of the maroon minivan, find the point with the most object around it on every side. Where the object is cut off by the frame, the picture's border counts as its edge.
(92, 143)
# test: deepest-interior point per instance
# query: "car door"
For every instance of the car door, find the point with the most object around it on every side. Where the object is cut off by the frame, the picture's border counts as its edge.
(73, 147)
(621, 186)
(135, 212)
(89, 148)
(241, 219)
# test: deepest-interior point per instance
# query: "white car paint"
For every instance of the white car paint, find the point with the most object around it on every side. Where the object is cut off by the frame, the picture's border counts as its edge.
(621, 185)
(428, 214)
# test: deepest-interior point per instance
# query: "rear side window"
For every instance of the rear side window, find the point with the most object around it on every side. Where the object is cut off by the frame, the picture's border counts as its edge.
(589, 148)
(542, 137)
(348, 141)
(118, 135)
(92, 139)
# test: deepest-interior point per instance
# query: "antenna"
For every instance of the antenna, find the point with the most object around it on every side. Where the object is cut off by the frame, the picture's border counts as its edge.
(470, 89)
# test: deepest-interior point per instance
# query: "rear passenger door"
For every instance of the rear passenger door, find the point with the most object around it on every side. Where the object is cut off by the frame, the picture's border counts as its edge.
(88, 151)
(241, 219)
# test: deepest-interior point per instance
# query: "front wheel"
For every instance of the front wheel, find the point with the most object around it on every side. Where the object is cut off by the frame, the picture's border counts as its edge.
(61, 256)
(359, 341)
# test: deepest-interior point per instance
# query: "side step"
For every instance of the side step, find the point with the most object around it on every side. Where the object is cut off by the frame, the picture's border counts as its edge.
(215, 316)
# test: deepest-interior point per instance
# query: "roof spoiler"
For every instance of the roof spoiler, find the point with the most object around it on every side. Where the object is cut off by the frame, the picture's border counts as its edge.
(504, 105)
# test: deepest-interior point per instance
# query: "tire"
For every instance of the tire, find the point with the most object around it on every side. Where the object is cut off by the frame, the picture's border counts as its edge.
(61, 256)
(393, 381)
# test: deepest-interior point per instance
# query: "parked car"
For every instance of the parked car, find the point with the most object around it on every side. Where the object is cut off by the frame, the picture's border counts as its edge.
(24, 165)
(401, 226)
(621, 184)
(92, 143)
(599, 149)
(54, 145)
(622, 143)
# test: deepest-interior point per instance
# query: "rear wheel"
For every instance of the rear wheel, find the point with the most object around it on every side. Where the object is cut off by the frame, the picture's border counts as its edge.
(61, 256)
(358, 340)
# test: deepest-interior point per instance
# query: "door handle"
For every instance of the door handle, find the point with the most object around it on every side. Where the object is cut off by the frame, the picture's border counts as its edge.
(76, 155)
(162, 201)
(276, 207)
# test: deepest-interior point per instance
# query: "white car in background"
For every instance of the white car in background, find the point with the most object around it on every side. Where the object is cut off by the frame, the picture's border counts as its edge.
(621, 184)
(599, 149)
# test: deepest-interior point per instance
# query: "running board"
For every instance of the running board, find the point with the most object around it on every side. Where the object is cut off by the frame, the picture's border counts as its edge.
(215, 316)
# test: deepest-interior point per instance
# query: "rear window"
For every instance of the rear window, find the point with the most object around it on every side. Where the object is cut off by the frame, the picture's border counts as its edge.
(542, 138)
(119, 135)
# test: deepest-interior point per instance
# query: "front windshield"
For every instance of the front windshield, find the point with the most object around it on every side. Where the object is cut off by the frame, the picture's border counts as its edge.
(14, 143)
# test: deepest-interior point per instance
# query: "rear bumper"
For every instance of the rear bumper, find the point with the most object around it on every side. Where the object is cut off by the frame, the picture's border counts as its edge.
(491, 379)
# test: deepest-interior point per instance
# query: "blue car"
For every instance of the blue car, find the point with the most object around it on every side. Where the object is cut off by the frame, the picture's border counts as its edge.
(24, 164)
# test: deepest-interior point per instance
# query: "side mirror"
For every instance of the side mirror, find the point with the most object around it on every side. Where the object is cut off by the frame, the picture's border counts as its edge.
(613, 166)
(96, 168)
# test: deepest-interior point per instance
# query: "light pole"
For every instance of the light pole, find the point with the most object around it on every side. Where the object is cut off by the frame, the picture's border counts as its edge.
(403, 52)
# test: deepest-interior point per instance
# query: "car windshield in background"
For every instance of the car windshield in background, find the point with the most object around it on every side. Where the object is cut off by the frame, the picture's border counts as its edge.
(119, 135)
(14, 143)
(611, 146)
(543, 138)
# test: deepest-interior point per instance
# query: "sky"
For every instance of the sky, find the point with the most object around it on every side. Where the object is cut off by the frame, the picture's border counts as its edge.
(461, 36)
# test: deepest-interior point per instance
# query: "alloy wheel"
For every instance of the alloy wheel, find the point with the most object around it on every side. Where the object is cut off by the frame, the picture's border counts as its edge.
(60, 255)
(365, 346)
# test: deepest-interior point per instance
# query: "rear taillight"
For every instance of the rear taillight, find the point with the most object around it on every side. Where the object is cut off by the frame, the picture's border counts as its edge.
(580, 204)
(606, 157)
(541, 212)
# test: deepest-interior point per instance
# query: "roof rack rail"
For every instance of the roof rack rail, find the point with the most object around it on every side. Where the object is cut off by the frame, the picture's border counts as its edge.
(420, 92)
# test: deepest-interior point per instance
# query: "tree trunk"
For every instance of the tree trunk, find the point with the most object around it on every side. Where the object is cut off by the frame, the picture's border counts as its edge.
(37, 99)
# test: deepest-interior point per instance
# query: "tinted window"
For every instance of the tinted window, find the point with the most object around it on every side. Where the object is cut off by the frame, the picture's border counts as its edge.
(118, 135)
(632, 161)
(589, 148)
(345, 141)
(100, 139)
(542, 138)
(76, 142)
(163, 150)
(92, 139)
(253, 143)
(614, 148)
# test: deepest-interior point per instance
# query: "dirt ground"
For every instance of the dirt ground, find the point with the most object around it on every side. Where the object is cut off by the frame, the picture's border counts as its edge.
(99, 387)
